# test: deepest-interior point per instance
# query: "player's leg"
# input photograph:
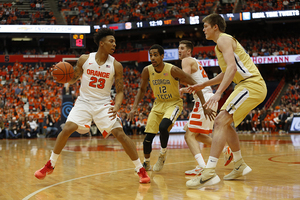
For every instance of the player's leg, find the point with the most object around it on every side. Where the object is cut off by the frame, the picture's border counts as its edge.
(131, 151)
(78, 119)
(152, 128)
(60, 142)
(235, 109)
(172, 112)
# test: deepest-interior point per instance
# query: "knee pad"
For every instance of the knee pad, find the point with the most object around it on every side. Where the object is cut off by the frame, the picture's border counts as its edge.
(147, 144)
(164, 132)
(164, 125)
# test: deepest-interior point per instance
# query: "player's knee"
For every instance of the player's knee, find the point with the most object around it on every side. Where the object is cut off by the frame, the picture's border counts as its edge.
(223, 119)
(148, 143)
(164, 125)
(189, 135)
(69, 128)
(119, 134)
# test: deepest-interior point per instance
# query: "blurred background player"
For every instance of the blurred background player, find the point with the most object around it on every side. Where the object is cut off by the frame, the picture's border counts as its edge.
(97, 71)
(164, 81)
(198, 127)
(250, 91)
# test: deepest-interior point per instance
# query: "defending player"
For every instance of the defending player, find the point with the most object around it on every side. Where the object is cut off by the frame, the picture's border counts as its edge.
(250, 91)
(164, 81)
(97, 71)
(198, 127)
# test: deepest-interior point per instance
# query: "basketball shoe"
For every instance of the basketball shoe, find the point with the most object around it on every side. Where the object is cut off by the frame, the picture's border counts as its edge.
(160, 162)
(47, 169)
(208, 177)
(227, 155)
(195, 171)
(144, 178)
(240, 169)
(147, 165)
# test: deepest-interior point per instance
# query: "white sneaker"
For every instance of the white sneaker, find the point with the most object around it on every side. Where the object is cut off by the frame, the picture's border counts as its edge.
(195, 171)
(160, 162)
(207, 178)
(228, 156)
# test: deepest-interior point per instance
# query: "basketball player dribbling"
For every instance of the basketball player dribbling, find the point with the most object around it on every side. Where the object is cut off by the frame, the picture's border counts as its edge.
(198, 127)
(249, 92)
(164, 81)
(97, 71)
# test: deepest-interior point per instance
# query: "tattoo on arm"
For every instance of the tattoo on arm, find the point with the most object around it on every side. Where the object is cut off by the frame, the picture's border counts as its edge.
(119, 84)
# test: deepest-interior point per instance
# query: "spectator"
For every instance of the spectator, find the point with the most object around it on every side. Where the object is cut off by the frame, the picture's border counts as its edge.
(52, 131)
(31, 129)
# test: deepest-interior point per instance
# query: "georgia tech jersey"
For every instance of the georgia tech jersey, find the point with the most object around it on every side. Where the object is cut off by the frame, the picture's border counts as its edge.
(97, 80)
(245, 66)
(164, 86)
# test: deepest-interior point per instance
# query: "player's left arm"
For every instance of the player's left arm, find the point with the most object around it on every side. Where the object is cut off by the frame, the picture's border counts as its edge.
(119, 89)
(179, 74)
(225, 45)
(119, 84)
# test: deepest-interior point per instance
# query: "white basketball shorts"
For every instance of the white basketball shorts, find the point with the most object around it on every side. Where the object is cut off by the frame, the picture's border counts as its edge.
(197, 121)
(84, 112)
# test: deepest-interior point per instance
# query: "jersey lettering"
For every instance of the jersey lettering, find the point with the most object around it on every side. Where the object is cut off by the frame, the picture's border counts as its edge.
(164, 96)
(202, 70)
(97, 73)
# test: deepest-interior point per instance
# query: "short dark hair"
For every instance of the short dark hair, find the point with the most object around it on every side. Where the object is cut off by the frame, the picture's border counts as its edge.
(160, 49)
(102, 33)
(215, 19)
(188, 44)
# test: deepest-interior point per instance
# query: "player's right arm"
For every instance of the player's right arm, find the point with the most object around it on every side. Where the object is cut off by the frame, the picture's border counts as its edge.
(78, 70)
(141, 92)
(214, 81)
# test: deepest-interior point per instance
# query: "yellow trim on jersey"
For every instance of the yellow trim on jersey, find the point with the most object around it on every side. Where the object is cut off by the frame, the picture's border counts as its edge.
(164, 86)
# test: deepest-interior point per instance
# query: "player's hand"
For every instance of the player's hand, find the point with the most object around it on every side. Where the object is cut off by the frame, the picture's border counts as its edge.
(195, 88)
(131, 115)
(181, 92)
(112, 112)
(212, 101)
(51, 71)
(211, 114)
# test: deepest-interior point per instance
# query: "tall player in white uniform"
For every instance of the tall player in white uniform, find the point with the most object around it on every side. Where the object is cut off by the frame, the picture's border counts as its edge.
(198, 127)
(97, 71)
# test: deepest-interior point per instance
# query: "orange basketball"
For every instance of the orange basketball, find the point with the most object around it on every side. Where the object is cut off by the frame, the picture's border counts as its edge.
(63, 72)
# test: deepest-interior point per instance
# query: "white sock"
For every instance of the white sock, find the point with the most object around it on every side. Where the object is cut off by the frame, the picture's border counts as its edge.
(200, 160)
(237, 155)
(138, 165)
(53, 158)
(212, 162)
(163, 150)
(146, 159)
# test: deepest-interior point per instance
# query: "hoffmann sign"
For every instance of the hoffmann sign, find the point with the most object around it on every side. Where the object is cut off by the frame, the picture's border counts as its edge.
(258, 60)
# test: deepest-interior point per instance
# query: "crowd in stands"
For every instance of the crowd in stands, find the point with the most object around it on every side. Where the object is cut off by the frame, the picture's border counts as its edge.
(11, 13)
(29, 100)
(106, 12)
(269, 5)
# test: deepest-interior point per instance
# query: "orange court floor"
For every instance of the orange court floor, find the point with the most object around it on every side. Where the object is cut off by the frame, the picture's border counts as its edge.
(97, 168)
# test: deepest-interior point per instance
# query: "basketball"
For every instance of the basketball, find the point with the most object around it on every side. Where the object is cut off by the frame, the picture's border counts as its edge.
(63, 72)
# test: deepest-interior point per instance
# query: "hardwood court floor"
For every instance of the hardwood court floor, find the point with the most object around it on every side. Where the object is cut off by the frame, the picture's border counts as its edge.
(94, 168)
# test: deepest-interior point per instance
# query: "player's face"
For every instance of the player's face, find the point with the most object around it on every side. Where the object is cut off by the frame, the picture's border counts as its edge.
(155, 57)
(109, 44)
(182, 51)
(208, 31)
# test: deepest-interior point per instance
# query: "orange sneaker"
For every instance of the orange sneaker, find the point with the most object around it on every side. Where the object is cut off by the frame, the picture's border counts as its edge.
(228, 156)
(144, 178)
(47, 169)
